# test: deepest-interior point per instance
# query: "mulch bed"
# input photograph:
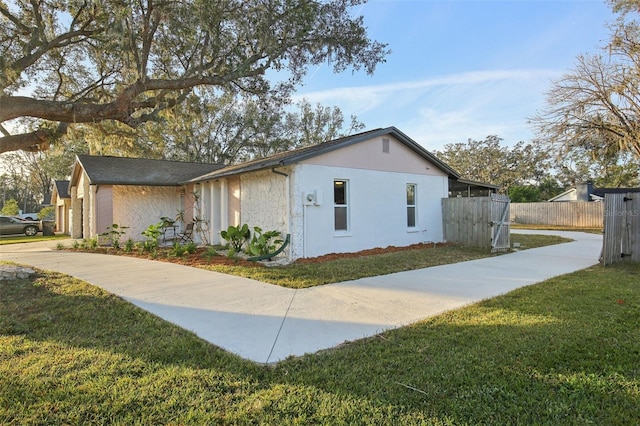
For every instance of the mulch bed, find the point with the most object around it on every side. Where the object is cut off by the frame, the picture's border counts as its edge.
(199, 257)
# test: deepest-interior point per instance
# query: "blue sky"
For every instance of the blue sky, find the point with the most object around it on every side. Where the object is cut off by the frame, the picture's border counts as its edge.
(463, 69)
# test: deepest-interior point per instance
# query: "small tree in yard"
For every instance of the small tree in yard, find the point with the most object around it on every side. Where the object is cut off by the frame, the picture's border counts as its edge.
(10, 208)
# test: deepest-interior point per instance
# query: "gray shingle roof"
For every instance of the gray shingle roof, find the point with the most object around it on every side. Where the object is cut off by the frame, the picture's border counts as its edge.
(141, 171)
(292, 157)
(62, 186)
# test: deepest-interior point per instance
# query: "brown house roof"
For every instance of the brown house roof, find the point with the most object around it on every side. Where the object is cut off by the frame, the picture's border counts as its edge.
(138, 171)
(297, 155)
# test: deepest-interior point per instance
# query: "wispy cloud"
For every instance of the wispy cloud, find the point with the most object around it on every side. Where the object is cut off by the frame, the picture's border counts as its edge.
(447, 108)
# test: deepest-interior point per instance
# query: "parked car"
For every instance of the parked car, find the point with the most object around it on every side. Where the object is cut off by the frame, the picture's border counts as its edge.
(27, 216)
(13, 225)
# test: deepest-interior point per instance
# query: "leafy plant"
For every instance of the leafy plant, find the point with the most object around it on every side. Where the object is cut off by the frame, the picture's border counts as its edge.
(47, 213)
(236, 236)
(129, 245)
(152, 236)
(113, 234)
(10, 208)
(191, 247)
(178, 250)
(263, 242)
(210, 253)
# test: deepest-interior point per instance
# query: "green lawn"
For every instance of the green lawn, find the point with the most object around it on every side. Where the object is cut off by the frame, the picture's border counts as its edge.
(301, 275)
(563, 352)
(19, 239)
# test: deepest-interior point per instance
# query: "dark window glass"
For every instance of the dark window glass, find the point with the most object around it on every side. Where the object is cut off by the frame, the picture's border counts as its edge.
(340, 205)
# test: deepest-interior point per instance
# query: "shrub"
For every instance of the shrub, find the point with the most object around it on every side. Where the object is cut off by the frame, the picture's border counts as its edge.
(191, 247)
(152, 235)
(113, 234)
(263, 242)
(129, 245)
(236, 236)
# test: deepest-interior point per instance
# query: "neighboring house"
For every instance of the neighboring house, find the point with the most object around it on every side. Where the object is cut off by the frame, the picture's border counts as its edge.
(61, 201)
(587, 192)
(132, 192)
(373, 189)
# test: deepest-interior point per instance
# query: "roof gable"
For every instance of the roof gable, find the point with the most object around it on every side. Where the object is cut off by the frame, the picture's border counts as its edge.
(61, 188)
(298, 155)
(138, 171)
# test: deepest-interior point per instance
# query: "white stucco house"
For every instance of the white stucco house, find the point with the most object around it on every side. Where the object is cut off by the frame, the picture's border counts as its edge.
(373, 189)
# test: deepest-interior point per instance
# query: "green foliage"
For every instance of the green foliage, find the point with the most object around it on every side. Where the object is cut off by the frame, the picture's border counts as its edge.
(10, 208)
(263, 242)
(129, 245)
(209, 253)
(524, 194)
(236, 236)
(90, 244)
(47, 213)
(191, 247)
(178, 250)
(152, 236)
(113, 234)
(178, 46)
(490, 161)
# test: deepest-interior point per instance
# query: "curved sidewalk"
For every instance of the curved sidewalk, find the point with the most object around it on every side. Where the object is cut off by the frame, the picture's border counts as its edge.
(267, 323)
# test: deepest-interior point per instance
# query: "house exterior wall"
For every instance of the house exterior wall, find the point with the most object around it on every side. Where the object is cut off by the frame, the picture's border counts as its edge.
(263, 200)
(104, 208)
(372, 155)
(377, 209)
(62, 206)
(140, 206)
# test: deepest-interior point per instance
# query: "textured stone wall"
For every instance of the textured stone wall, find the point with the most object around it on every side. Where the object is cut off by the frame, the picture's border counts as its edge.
(140, 206)
(263, 201)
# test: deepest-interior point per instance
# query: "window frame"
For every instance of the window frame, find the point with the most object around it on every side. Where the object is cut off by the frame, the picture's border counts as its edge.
(344, 206)
(411, 207)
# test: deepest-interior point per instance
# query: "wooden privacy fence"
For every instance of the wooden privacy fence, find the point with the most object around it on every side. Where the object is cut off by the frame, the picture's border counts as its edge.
(579, 214)
(477, 221)
(621, 228)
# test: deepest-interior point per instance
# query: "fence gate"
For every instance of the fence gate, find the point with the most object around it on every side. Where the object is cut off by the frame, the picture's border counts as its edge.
(621, 240)
(500, 224)
(477, 221)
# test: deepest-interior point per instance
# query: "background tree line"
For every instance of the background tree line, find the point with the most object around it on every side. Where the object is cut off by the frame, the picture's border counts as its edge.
(176, 81)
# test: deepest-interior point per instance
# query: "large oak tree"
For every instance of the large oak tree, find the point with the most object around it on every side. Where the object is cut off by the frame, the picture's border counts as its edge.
(90, 61)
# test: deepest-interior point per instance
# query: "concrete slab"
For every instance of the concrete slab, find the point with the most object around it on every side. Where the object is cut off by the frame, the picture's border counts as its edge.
(266, 323)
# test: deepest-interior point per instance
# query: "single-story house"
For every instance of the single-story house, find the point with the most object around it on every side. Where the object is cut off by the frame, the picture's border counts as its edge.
(372, 189)
(587, 192)
(131, 192)
(61, 201)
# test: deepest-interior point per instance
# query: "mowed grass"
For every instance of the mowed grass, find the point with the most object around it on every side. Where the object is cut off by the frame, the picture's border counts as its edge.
(563, 352)
(301, 275)
(20, 239)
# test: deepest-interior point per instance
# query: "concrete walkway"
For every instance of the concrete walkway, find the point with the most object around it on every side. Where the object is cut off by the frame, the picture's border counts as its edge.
(267, 323)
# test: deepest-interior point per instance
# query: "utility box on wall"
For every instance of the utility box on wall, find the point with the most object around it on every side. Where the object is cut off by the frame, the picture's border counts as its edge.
(312, 198)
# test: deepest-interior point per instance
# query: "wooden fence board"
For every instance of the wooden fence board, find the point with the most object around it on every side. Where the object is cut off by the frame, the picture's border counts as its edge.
(471, 221)
(621, 240)
(580, 214)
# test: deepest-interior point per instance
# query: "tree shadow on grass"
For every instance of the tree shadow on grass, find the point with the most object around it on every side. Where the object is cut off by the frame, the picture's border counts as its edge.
(562, 352)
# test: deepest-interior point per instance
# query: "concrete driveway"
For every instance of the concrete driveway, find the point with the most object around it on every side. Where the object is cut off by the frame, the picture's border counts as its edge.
(266, 323)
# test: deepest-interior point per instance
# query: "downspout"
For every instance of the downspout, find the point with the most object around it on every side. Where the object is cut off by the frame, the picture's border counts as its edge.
(288, 196)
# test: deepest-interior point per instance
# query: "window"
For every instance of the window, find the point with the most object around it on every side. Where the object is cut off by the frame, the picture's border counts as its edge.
(411, 205)
(340, 208)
